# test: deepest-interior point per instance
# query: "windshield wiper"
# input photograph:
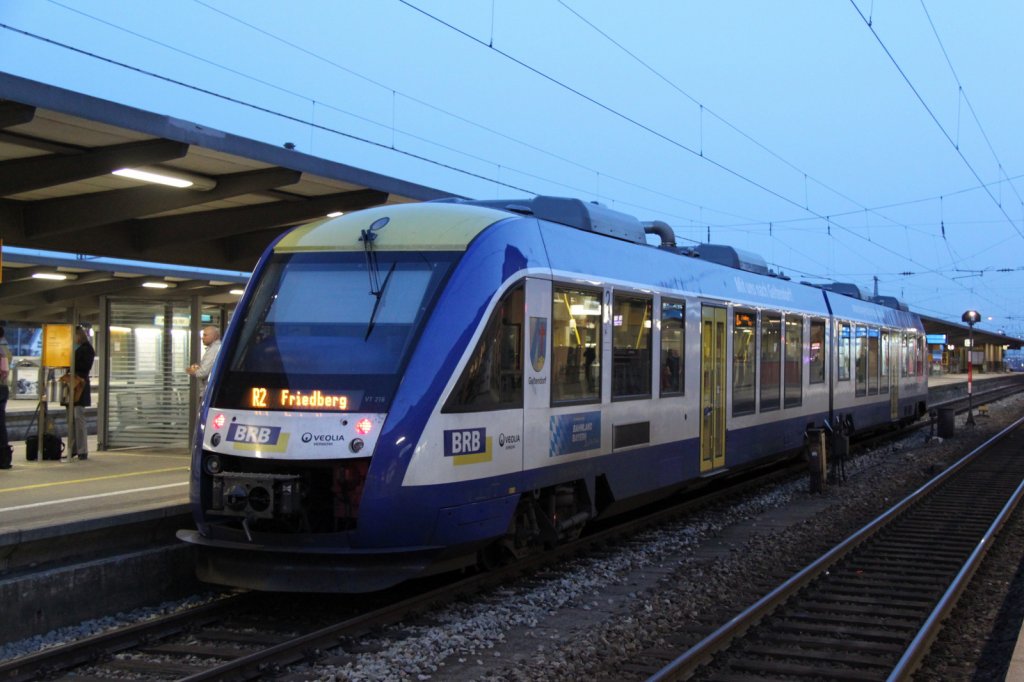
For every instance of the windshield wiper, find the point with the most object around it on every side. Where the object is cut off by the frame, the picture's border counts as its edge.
(379, 293)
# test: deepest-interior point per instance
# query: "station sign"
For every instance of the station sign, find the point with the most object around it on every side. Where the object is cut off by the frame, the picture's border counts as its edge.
(935, 339)
(58, 340)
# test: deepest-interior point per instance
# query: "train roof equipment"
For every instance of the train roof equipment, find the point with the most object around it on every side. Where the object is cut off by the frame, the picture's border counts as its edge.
(846, 289)
(890, 302)
(732, 257)
(586, 216)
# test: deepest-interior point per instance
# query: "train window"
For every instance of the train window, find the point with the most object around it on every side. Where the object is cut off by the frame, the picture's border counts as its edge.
(576, 346)
(844, 352)
(883, 364)
(744, 360)
(771, 360)
(902, 351)
(816, 360)
(909, 353)
(921, 346)
(794, 344)
(493, 378)
(860, 354)
(313, 324)
(673, 345)
(631, 347)
(873, 364)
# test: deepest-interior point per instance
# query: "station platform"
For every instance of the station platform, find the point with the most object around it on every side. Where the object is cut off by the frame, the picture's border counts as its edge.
(112, 483)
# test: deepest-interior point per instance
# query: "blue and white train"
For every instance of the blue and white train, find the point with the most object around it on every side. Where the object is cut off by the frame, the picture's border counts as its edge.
(415, 388)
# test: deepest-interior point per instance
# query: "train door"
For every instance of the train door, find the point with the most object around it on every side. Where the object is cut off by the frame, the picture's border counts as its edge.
(894, 375)
(712, 387)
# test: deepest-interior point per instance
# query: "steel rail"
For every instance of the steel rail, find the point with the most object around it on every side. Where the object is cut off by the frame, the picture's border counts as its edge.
(86, 650)
(686, 663)
(922, 642)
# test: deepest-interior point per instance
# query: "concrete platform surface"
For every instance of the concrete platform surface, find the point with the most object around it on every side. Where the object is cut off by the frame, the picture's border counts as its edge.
(112, 483)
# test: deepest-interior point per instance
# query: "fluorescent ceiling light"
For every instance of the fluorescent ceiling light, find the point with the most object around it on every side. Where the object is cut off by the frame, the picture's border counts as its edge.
(56, 276)
(157, 285)
(236, 292)
(335, 214)
(168, 177)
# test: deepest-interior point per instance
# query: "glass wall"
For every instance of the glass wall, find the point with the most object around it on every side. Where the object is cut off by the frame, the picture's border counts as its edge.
(148, 389)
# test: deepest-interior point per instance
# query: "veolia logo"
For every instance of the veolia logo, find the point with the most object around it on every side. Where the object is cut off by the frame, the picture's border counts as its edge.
(512, 440)
(322, 438)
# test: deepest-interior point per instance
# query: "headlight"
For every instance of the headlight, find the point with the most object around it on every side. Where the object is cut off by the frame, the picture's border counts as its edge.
(212, 465)
(355, 445)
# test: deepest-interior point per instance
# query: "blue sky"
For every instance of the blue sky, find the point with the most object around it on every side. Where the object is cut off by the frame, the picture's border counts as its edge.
(840, 140)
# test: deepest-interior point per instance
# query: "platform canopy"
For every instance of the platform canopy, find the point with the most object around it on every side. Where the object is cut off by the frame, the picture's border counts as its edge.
(954, 333)
(58, 193)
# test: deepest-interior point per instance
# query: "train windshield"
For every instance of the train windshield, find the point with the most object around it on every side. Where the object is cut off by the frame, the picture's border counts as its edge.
(330, 331)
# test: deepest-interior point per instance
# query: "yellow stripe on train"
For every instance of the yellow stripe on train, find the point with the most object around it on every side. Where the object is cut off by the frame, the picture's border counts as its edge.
(475, 457)
(398, 227)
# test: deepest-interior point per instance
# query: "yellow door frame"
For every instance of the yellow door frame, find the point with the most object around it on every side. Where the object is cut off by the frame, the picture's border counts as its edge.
(713, 335)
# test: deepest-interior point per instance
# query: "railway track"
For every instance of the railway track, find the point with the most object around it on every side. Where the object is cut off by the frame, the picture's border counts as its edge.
(231, 639)
(980, 400)
(869, 608)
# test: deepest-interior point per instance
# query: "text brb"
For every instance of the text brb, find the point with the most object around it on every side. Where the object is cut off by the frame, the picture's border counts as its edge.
(259, 435)
(464, 442)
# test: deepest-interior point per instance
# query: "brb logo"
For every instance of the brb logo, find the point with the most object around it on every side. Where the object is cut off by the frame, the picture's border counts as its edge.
(257, 435)
(465, 442)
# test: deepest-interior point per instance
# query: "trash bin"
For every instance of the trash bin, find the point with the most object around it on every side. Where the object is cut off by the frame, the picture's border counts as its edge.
(25, 380)
(947, 422)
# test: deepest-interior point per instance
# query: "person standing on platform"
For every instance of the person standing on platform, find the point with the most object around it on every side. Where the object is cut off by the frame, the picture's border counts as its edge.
(5, 367)
(201, 371)
(84, 357)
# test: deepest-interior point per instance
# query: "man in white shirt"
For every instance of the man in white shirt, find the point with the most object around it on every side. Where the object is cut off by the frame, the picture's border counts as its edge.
(201, 371)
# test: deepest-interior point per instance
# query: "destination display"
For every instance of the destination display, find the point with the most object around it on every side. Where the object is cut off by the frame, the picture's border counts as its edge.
(262, 398)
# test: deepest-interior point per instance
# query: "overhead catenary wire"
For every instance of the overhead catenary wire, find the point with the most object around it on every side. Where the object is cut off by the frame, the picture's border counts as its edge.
(963, 93)
(704, 108)
(485, 176)
(662, 136)
(311, 123)
(397, 93)
(463, 119)
(934, 118)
